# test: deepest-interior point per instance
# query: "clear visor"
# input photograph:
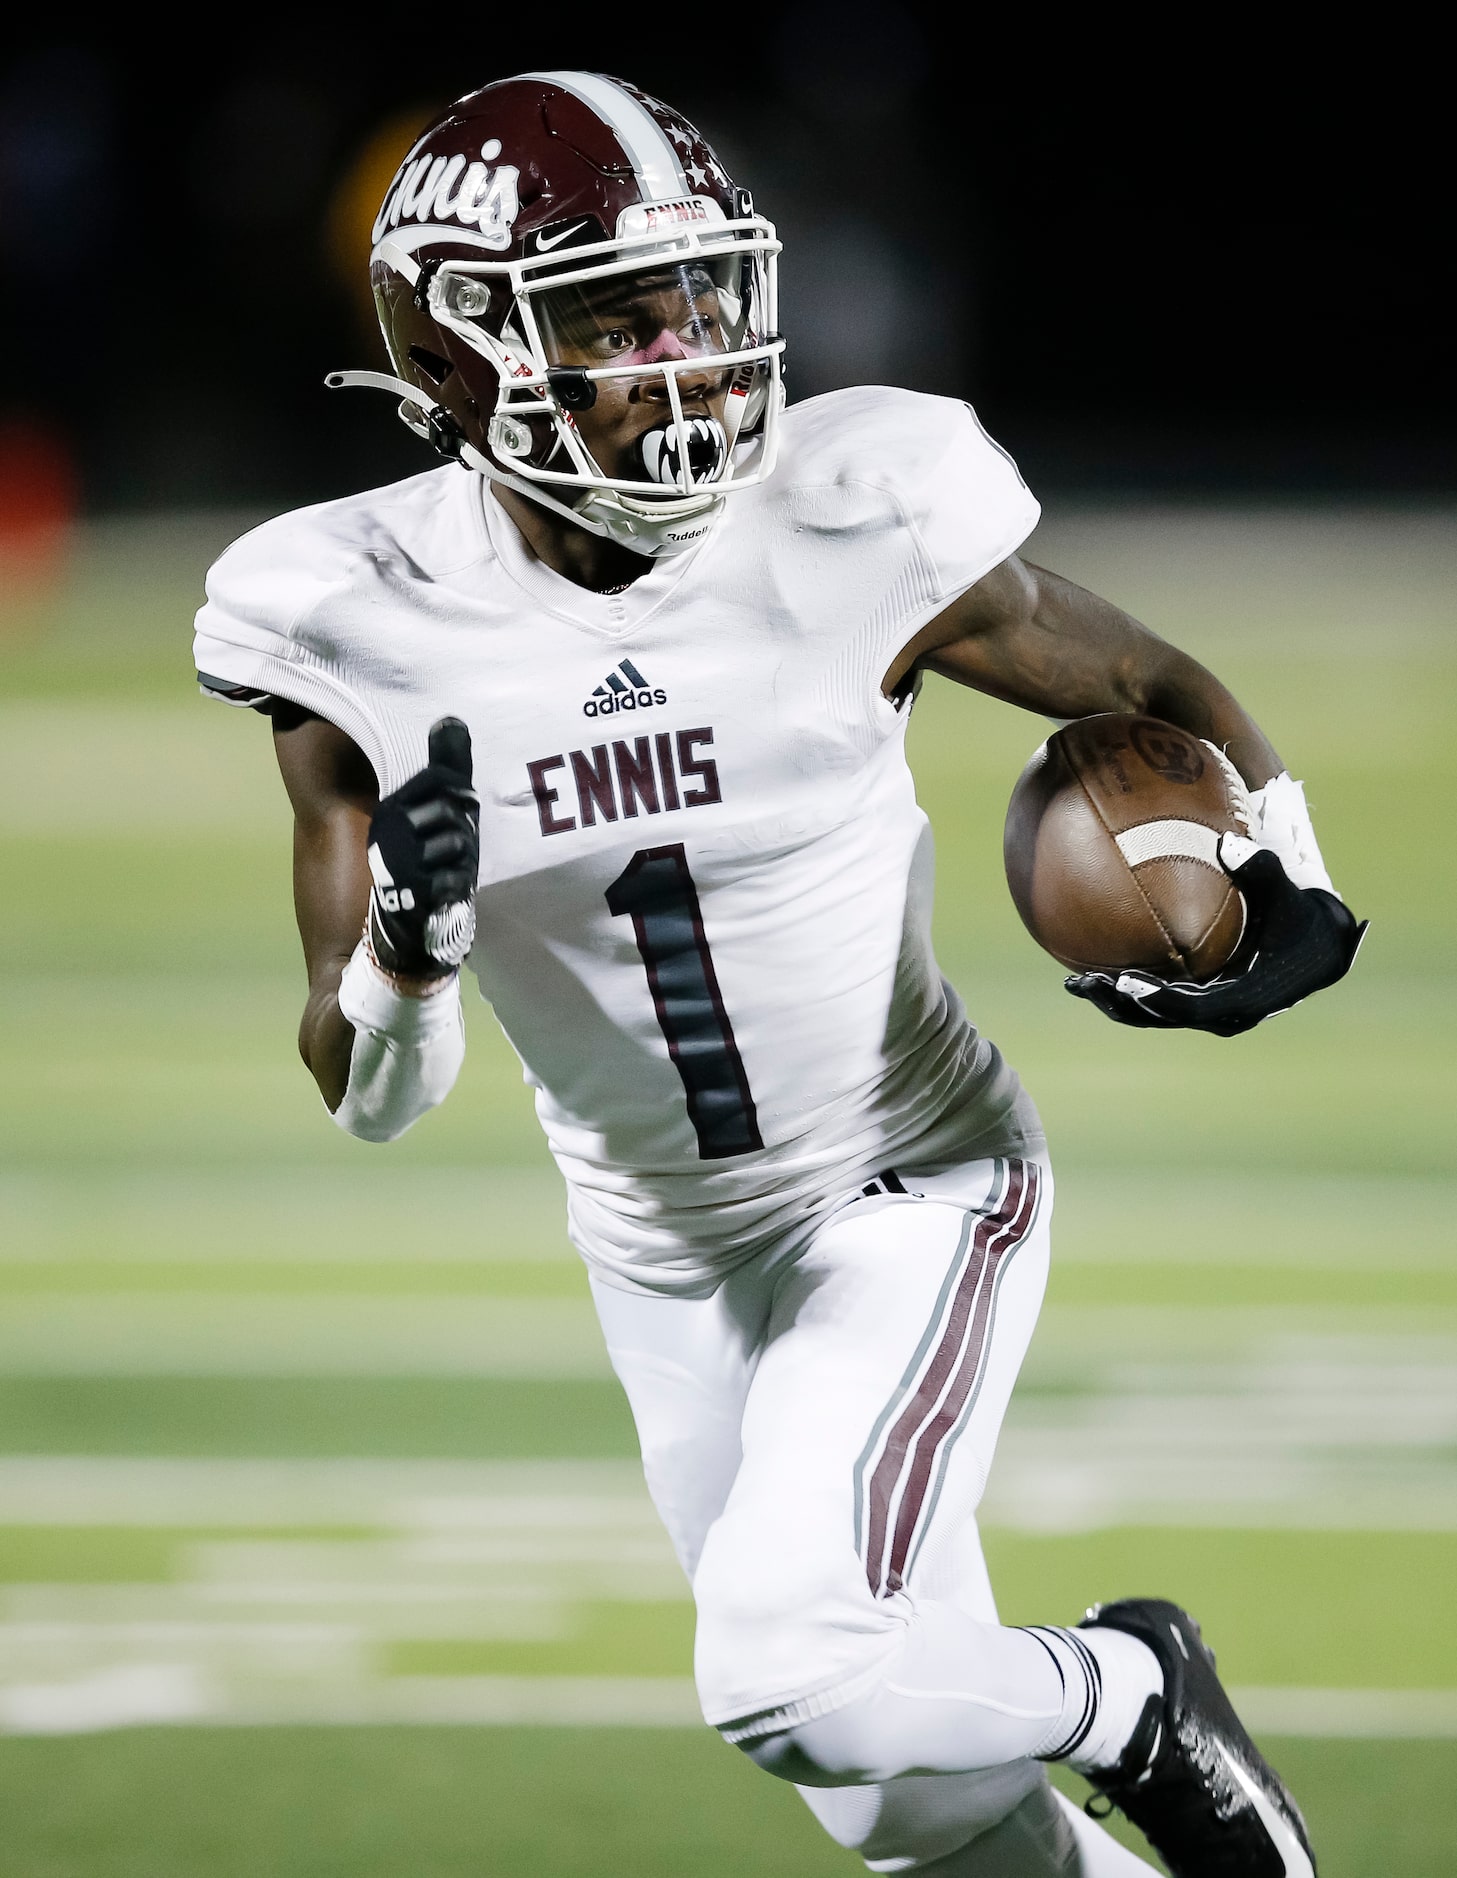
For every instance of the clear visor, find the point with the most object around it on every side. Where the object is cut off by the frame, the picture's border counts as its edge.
(691, 310)
(600, 323)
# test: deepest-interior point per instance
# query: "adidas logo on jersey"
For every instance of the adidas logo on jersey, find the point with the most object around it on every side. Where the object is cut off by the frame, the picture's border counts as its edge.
(624, 689)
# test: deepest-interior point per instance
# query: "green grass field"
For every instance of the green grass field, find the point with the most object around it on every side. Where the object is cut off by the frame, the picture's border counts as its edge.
(323, 1550)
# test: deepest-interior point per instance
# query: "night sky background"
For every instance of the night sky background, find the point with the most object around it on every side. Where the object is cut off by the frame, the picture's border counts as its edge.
(1178, 262)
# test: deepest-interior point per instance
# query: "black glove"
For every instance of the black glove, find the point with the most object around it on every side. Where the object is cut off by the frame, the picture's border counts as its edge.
(1296, 940)
(424, 855)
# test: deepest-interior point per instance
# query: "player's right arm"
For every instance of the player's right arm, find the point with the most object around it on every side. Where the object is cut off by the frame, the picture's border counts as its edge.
(333, 792)
(384, 897)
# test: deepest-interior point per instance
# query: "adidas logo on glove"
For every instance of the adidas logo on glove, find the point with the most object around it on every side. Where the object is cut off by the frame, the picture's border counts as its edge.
(624, 689)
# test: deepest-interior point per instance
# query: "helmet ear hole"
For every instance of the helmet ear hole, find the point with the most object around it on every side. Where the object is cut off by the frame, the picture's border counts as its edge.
(436, 369)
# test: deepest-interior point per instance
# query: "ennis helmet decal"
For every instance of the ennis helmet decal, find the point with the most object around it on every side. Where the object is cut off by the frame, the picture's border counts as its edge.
(438, 189)
(561, 238)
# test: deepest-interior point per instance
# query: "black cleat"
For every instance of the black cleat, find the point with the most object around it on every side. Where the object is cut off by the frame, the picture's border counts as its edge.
(1191, 1780)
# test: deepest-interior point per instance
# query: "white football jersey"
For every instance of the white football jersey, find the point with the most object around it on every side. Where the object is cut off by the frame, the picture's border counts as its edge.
(705, 891)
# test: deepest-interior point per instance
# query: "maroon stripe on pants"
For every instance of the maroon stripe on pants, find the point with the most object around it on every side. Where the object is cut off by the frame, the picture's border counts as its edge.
(956, 1360)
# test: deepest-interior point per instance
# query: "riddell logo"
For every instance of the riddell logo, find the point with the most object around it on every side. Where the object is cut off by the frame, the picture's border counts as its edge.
(623, 690)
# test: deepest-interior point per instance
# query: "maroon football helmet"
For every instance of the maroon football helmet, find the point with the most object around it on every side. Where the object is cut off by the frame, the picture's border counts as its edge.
(555, 231)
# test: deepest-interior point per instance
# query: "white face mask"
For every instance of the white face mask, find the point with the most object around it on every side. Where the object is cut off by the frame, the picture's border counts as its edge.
(679, 286)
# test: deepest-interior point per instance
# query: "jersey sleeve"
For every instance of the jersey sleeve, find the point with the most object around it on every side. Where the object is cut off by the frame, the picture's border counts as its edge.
(900, 502)
(255, 638)
(963, 507)
(967, 501)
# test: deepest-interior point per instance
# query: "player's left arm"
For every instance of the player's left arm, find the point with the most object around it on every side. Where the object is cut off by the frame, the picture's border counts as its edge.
(1030, 637)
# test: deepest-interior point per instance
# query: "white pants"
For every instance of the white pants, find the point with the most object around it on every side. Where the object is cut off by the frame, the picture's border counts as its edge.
(816, 1437)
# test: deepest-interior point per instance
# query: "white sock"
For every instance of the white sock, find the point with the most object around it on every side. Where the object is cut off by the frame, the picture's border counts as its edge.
(1108, 1676)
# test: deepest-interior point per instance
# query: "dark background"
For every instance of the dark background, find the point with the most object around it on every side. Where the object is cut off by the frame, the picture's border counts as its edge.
(1165, 265)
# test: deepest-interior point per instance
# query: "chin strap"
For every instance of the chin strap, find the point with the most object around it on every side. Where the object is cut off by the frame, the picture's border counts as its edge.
(602, 512)
(379, 381)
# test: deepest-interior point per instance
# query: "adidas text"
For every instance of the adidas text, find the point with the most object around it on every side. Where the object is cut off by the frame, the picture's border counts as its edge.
(623, 689)
(624, 701)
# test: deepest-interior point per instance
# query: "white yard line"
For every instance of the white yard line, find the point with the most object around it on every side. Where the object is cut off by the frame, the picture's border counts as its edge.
(1367, 1449)
(1057, 1481)
(446, 1496)
(126, 1334)
(1373, 1360)
(1350, 1714)
(143, 1694)
(1139, 1415)
(369, 1216)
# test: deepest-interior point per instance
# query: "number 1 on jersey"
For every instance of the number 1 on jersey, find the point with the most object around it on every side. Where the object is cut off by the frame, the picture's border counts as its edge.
(657, 893)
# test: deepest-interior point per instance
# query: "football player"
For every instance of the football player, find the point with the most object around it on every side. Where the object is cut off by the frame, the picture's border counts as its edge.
(612, 706)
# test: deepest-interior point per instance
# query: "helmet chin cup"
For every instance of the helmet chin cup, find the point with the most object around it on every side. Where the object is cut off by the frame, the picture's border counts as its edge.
(658, 530)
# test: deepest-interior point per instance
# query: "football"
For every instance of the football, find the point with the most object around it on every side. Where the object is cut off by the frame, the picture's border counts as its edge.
(1112, 848)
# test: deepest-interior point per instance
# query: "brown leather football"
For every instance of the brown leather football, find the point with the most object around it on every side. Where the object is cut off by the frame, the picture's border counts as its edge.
(1111, 848)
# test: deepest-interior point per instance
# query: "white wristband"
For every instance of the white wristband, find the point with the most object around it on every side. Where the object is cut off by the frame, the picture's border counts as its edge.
(1281, 822)
(407, 1051)
(371, 1002)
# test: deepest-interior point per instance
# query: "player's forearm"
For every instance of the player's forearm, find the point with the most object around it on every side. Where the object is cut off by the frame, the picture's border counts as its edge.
(1042, 642)
(1157, 679)
(1128, 668)
(326, 1037)
(1183, 692)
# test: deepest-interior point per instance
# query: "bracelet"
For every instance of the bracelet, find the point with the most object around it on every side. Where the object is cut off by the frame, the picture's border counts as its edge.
(405, 984)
